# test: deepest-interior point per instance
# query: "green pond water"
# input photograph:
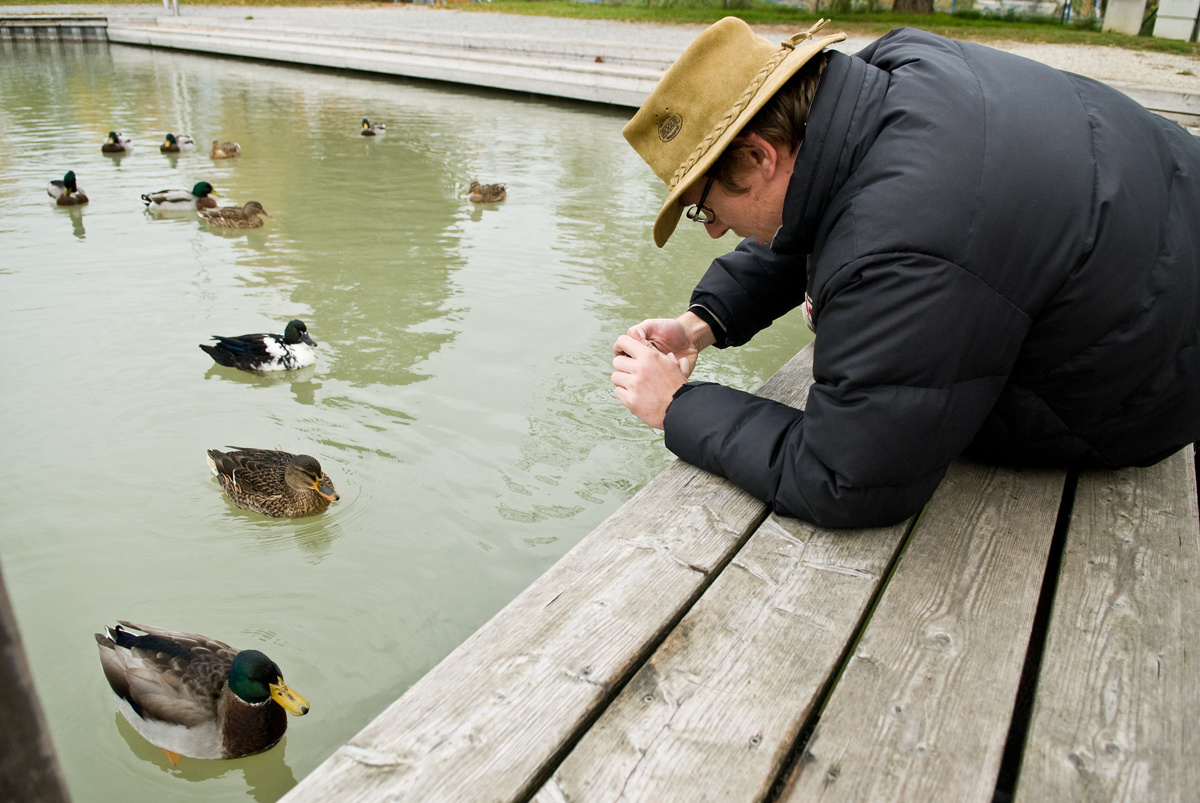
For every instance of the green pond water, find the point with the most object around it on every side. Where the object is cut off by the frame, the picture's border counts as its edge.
(460, 401)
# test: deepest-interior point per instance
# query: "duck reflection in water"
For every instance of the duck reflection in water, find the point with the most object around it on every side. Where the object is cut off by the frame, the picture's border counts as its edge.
(301, 380)
(76, 213)
(268, 776)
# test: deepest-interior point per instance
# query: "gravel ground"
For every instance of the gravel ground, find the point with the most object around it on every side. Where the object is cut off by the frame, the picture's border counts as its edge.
(1100, 62)
(1115, 64)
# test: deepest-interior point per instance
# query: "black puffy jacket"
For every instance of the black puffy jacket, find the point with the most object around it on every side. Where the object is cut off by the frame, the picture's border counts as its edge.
(1000, 256)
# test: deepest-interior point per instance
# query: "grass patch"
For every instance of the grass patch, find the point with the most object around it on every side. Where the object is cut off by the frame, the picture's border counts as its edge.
(970, 26)
(705, 12)
(249, 5)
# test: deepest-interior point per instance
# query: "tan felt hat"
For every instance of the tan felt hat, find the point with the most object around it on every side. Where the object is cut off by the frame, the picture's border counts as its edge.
(705, 99)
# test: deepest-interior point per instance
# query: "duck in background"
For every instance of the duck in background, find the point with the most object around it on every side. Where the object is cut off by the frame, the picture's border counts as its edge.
(173, 143)
(224, 150)
(235, 217)
(195, 696)
(170, 200)
(66, 192)
(271, 482)
(116, 143)
(372, 129)
(487, 193)
(265, 352)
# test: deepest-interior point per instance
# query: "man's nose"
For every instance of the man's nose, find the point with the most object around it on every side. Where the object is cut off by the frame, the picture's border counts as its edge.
(716, 229)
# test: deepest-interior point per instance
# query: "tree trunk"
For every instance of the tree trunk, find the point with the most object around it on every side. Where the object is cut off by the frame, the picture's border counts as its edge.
(913, 6)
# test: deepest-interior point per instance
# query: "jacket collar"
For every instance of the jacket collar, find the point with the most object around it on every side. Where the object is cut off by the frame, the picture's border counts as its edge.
(837, 135)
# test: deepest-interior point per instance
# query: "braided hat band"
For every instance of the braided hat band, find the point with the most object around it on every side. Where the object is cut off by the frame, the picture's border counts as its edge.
(786, 47)
(705, 99)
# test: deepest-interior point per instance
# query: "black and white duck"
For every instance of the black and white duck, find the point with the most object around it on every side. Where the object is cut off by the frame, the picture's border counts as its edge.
(264, 351)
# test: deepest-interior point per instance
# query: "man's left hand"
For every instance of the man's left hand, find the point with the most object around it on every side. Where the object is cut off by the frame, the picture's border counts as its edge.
(645, 379)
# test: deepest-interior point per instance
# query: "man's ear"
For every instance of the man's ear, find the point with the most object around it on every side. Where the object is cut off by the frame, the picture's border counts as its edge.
(761, 155)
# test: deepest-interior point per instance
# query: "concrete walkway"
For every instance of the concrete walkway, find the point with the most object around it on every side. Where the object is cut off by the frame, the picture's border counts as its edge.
(593, 60)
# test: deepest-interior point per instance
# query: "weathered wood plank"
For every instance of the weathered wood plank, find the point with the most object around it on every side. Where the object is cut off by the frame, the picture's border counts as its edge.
(493, 719)
(714, 714)
(922, 710)
(29, 769)
(1116, 714)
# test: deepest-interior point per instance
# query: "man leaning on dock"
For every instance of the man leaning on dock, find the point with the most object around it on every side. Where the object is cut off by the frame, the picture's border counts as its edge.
(998, 258)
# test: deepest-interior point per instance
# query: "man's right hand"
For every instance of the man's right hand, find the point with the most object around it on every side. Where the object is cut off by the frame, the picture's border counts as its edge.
(685, 337)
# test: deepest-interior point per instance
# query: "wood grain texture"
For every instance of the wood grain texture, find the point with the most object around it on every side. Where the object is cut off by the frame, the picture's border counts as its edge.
(714, 713)
(922, 710)
(492, 720)
(1117, 710)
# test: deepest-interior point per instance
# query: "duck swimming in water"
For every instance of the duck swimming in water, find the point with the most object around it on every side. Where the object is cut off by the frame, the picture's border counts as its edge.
(196, 198)
(273, 483)
(235, 217)
(116, 143)
(266, 352)
(224, 150)
(487, 193)
(173, 144)
(372, 129)
(195, 696)
(66, 192)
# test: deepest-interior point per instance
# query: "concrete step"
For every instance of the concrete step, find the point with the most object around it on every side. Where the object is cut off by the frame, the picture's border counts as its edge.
(605, 72)
(596, 70)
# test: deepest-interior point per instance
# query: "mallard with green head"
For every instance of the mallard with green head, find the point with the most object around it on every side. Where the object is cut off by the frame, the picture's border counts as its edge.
(116, 143)
(487, 193)
(173, 144)
(370, 129)
(66, 192)
(224, 150)
(195, 696)
(273, 483)
(235, 217)
(169, 200)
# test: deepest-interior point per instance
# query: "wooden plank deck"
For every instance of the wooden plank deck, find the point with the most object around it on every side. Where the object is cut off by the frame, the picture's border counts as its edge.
(1117, 714)
(1031, 633)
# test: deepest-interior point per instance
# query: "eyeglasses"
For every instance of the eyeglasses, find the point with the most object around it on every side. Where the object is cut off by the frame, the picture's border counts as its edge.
(699, 212)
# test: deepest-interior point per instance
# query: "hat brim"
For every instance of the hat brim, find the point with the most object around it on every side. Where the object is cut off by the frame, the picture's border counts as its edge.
(668, 216)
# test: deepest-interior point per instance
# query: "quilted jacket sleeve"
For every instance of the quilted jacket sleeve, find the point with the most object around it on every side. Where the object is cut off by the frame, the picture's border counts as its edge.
(910, 357)
(748, 288)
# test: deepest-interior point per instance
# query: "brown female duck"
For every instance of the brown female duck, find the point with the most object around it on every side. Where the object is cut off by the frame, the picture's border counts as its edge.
(271, 482)
(487, 193)
(224, 150)
(235, 217)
